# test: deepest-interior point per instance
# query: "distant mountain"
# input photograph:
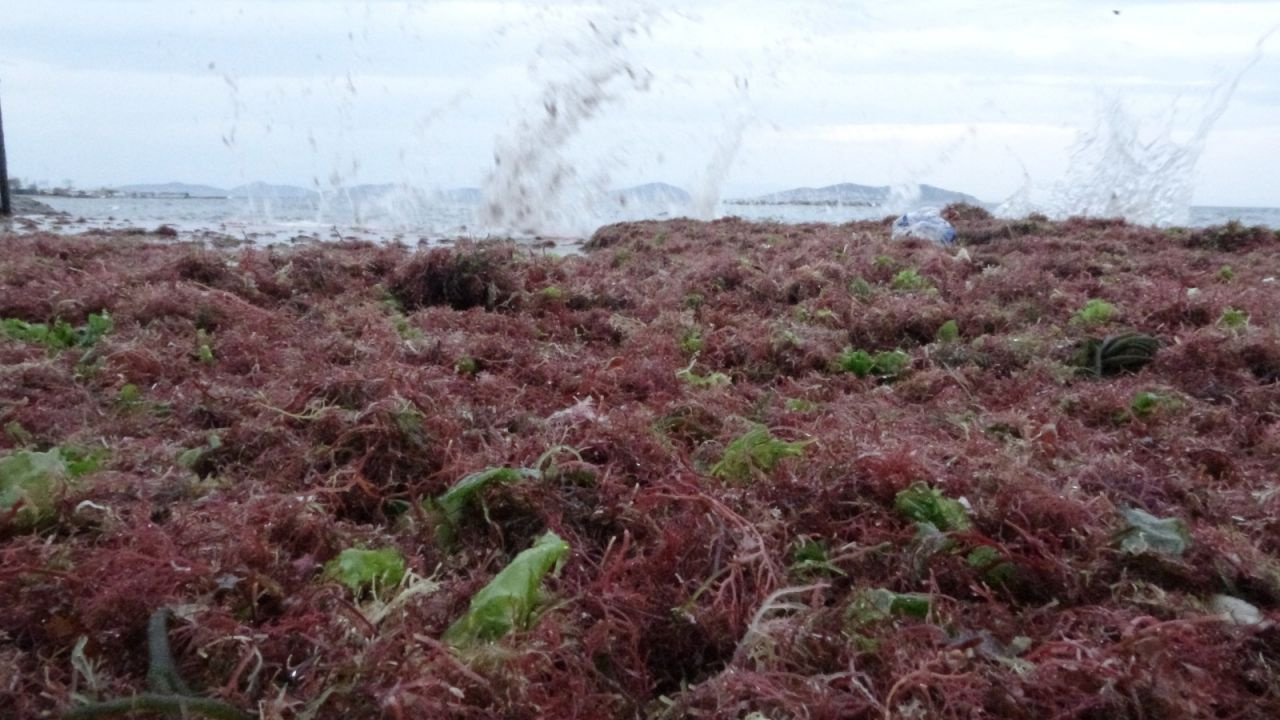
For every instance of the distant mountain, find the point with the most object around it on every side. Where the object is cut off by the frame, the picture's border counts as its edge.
(852, 194)
(931, 195)
(361, 193)
(464, 196)
(655, 193)
(173, 189)
(267, 190)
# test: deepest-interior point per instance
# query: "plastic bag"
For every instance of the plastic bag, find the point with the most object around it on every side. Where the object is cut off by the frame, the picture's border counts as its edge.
(925, 224)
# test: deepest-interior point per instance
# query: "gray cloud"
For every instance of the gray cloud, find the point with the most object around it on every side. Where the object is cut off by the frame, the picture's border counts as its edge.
(967, 94)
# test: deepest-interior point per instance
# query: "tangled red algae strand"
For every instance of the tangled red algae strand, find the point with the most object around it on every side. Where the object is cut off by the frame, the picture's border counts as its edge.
(253, 412)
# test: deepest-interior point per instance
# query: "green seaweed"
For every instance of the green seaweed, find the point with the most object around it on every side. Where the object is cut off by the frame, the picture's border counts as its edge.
(450, 505)
(508, 602)
(60, 335)
(756, 450)
(1234, 319)
(1095, 312)
(362, 570)
(885, 364)
(1147, 533)
(909, 280)
(925, 504)
(30, 484)
(456, 498)
(715, 379)
(810, 557)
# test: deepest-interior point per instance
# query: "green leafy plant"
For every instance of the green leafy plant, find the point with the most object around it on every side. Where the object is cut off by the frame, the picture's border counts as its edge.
(1144, 403)
(1147, 403)
(861, 289)
(508, 602)
(910, 279)
(204, 348)
(60, 335)
(810, 557)
(1146, 533)
(129, 396)
(949, 332)
(362, 570)
(885, 364)
(993, 566)
(1234, 319)
(1225, 273)
(1095, 312)
(32, 482)
(191, 457)
(691, 342)
(715, 379)
(462, 493)
(800, 405)
(755, 451)
(925, 504)
(877, 604)
(450, 505)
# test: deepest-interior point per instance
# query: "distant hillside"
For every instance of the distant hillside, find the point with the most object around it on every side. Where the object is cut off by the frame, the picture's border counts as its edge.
(655, 193)
(852, 194)
(465, 196)
(173, 189)
(267, 190)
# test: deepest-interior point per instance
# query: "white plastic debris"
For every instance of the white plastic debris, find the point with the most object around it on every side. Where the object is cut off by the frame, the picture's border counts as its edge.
(1235, 610)
(926, 224)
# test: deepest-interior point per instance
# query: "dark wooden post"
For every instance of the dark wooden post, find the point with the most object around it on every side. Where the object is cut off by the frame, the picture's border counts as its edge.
(6, 208)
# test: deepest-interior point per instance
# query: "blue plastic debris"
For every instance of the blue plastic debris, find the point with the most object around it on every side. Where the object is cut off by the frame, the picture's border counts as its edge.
(926, 224)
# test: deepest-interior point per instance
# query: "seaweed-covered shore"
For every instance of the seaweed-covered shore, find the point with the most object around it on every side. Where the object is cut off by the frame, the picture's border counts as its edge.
(801, 472)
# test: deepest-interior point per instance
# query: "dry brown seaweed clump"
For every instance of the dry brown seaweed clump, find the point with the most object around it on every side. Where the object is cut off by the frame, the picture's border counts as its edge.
(800, 471)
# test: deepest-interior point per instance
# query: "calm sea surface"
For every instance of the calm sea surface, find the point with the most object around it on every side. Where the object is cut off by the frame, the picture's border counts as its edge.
(283, 219)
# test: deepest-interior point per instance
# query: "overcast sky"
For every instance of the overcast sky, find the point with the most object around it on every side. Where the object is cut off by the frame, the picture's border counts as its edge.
(746, 96)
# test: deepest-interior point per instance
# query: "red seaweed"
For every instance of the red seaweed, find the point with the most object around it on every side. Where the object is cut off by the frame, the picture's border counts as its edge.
(254, 412)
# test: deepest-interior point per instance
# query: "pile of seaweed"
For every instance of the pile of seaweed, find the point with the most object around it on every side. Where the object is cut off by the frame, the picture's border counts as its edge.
(722, 470)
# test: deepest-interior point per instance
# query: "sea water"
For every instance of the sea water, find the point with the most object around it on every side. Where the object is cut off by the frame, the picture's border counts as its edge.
(379, 218)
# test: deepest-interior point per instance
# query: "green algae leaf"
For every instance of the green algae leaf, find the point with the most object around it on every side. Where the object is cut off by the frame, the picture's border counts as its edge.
(715, 379)
(755, 450)
(876, 604)
(993, 566)
(949, 332)
(95, 327)
(455, 499)
(61, 334)
(32, 482)
(924, 504)
(508, 601)
(810, 557)
(857, 362)
(1095, 312)
(1148, 533)
(886, 364)
(360, 569)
